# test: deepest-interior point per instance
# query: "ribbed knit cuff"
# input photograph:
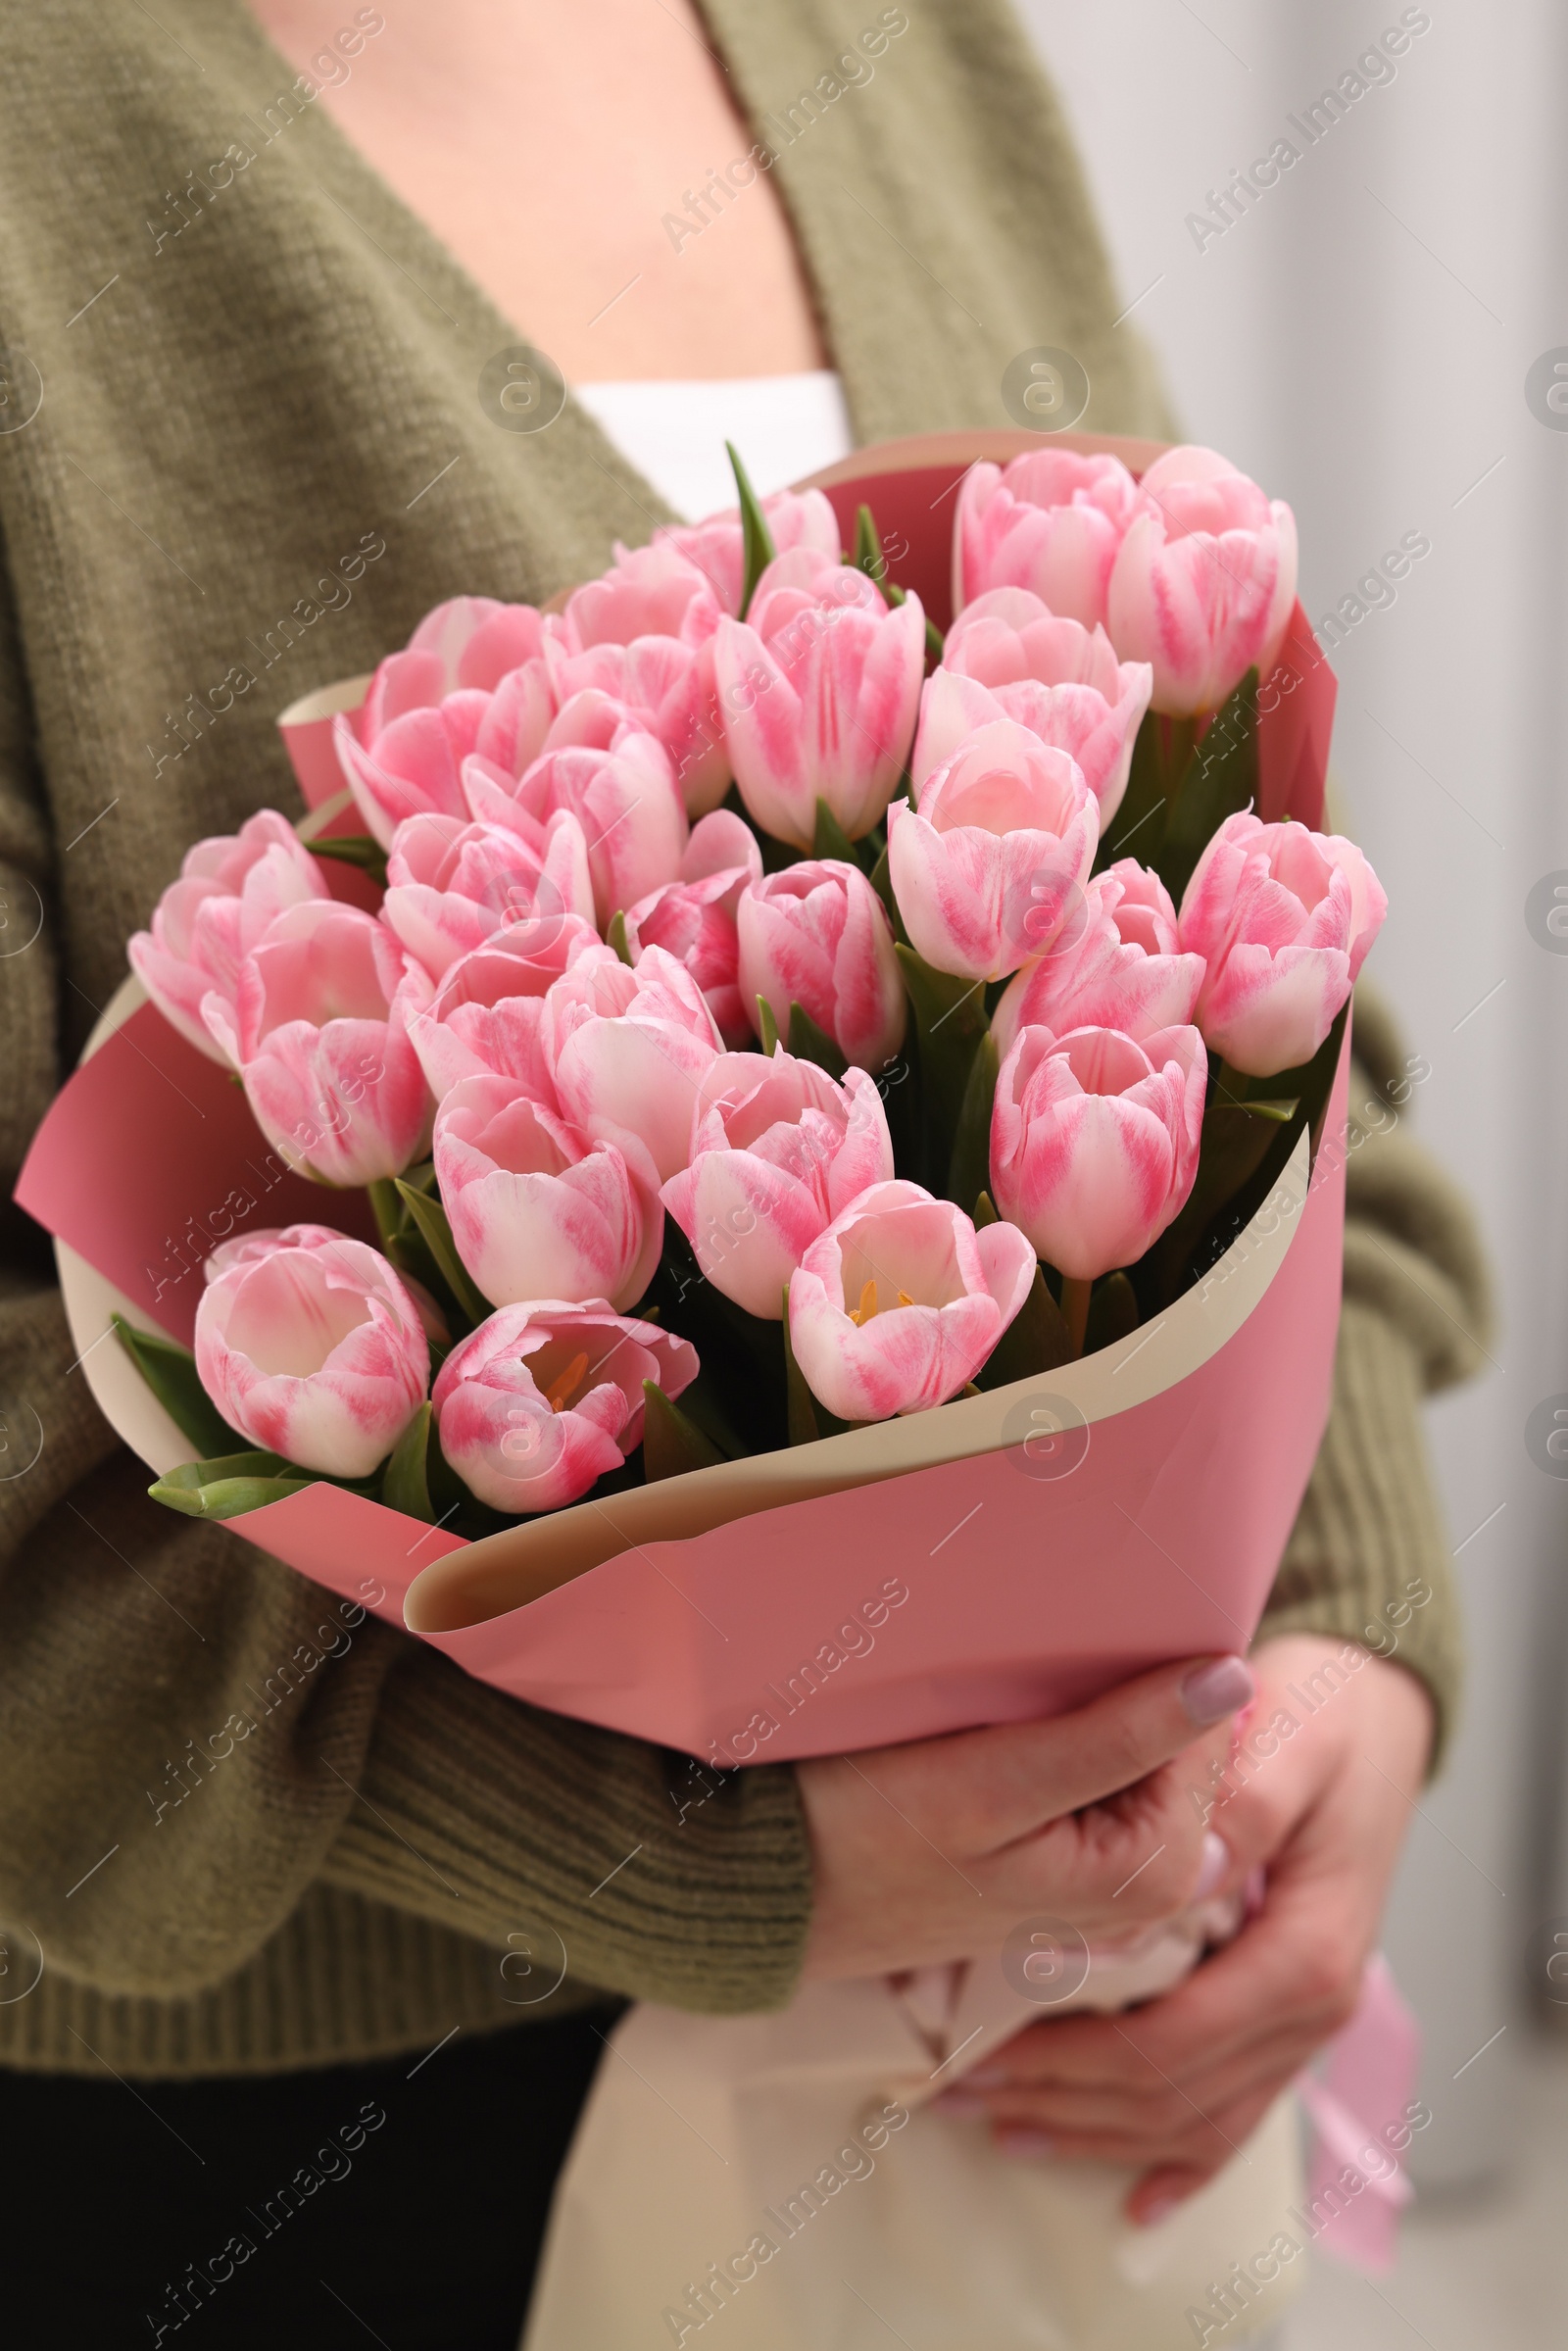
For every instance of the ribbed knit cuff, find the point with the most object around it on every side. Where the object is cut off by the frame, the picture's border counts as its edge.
(342, 1982)
(628, 1866)
(1368, 1556)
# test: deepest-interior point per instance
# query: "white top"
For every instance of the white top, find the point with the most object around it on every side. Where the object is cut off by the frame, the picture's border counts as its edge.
(785, 427)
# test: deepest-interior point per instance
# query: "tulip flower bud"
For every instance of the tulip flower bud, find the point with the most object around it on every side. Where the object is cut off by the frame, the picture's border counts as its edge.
(1094, 1140)
(229, 890)
(1115, 965)
(1283, 918)
(450, 885)
(472, 679)
(628, 1050)
(777, 1149)
(717, 545)
(621, 790)
(486, 1012)
(544, 1399)
(311, 1347)
(1007, 656)
(1052, 521)
(898, 1304)
(537, 1209)
(1205, 580)
(322, 1046)
(692, 918)
(818, 936)
(992, 861)
(819, 689)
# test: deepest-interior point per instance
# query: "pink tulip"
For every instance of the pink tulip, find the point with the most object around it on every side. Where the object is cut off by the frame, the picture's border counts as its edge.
(1050, 522)
(694, 919)
(1094, 1140)
(475, 641)
(1007, 656)
(1284, 918)
(485, 1016)
(537, 1209)
(992, 861)
(779, 1150)
(311, 1347)
(628, 1050)
(229, 889)
(794, 519)
(450, 885)
(330, 1073)
(623, 795)
(899, 1304)
(545, 1397)
(1115, 966)
(668, 689)
(652, 590)
(413, 765)
(1205, 581)
(820, 688)
(818, 935)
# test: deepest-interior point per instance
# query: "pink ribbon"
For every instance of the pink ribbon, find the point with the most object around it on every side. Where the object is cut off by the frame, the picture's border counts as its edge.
(1363, 2108)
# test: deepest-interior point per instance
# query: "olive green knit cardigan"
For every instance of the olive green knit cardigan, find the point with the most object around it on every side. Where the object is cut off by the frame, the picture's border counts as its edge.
(241, 451)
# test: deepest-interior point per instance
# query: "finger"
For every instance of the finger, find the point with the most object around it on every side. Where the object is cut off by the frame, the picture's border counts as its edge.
(1297, 1965)
(1013, 1779)
(1193, 2155)
(1150, 2112)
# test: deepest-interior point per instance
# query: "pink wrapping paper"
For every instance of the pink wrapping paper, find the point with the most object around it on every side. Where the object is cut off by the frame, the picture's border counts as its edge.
(882, 1585)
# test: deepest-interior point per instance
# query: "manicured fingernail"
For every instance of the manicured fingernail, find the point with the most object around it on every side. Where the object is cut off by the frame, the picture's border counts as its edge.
(960, 2102)
(1025, 2144)
(1211, 1691)
(1159, 2208)
(1216, 1865)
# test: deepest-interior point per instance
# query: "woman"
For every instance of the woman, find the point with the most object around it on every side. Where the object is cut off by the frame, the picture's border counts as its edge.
(287, 2038)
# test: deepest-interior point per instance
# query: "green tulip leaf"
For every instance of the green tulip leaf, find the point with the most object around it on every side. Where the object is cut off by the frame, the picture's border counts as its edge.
(950, 1015)
(756, 538)
(353, 849)
(429, 1220)
(1137, 828)
(170, 1371)
(405, 1480)
(1112, 1313)
(969, 1170)
(672, 1442)
(808, 1043)
(1220, 780)
(229, 1485)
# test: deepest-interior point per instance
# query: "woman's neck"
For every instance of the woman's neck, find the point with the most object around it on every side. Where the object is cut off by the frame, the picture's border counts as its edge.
(552, 149)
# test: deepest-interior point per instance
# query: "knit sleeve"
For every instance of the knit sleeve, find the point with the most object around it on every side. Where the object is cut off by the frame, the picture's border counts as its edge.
(1368, 1557)
(191, 1734)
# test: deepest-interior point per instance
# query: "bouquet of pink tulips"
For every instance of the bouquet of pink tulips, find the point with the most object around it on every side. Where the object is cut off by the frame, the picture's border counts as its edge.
(776, 1019)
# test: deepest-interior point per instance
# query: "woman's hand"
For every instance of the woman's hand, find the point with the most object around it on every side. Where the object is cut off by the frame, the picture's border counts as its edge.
(931, 1852)
(1177, 2086)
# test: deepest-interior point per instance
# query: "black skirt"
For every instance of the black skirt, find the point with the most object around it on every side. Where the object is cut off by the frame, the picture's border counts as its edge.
(402, 2202)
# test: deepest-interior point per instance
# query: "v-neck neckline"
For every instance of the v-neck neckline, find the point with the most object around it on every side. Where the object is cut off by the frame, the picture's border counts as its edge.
(353, 160)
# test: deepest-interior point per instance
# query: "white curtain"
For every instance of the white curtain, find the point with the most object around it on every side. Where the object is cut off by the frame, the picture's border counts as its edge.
(1358, 336)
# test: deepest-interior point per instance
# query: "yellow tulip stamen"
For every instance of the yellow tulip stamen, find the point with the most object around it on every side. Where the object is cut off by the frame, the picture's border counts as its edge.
(904, 1300)
(563, 1387)
(866, 1307)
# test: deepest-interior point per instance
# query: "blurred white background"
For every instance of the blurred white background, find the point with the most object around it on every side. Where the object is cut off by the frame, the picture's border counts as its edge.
(1359, 341)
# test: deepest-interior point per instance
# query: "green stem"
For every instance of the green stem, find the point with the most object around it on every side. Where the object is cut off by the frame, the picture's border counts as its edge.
(386, 1207)
(1075, 1307)
(1180, 742)
(1230, 1086)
